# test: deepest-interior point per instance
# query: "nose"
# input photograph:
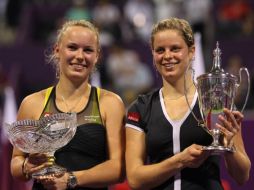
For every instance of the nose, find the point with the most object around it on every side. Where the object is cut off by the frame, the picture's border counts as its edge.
(80, 55)
(167, 54)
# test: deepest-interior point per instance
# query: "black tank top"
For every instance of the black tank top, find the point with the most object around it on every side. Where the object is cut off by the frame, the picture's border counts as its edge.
(88, 147)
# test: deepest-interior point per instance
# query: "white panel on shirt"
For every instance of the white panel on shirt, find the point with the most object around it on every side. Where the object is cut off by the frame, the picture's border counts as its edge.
(176, 132)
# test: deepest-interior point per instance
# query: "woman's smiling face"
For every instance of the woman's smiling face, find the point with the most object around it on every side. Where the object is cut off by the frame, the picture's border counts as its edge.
(77, 52)
(171, 54)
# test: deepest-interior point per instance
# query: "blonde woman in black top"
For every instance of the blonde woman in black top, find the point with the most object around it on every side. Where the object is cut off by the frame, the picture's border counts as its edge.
(94, 157)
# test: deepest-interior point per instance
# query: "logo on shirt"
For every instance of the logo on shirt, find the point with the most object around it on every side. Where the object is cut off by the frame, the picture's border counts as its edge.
(92, 118)
(133, 116)
(46, 114)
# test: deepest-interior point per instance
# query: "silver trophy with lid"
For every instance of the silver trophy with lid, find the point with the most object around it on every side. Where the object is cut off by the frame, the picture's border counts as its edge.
(216, 91)
(43, 136)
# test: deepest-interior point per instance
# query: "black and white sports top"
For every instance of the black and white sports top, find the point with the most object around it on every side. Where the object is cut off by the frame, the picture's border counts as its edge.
(166, 137)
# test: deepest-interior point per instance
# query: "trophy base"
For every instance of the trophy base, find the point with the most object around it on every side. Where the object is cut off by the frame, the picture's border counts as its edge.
(49, 171)
(218, 149)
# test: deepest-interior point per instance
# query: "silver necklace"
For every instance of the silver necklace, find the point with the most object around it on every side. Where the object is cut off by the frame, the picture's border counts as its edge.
(67, 106)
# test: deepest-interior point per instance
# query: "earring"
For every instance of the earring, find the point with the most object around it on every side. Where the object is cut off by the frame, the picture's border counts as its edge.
(57, 72)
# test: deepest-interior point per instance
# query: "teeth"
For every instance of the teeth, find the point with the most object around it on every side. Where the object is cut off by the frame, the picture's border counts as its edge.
(77, 64)
(169, 65)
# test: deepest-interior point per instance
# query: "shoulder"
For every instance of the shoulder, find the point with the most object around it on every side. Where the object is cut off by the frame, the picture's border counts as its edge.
(143, 100)
(108, 96)
(111, 105)
(32, 105)
(141, 108)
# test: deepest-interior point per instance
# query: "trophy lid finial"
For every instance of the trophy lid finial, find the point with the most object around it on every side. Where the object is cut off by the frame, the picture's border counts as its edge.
(217, 59)
(217, 51)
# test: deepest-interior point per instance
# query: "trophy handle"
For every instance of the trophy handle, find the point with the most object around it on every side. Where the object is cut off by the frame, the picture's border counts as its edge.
(248, 89)
(200, 122)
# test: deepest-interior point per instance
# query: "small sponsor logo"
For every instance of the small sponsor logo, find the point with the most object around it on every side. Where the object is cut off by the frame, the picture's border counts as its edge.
(133, 116)
(46, 114)
(91, 118)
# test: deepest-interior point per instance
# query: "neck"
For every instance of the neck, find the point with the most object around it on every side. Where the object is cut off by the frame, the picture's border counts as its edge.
(70, 98)
(68, 89)
(175, 90)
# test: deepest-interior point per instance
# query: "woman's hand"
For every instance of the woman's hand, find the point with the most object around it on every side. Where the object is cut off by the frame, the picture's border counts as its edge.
(193, 156)
(35, 162)
(54, 182)
(230, 125)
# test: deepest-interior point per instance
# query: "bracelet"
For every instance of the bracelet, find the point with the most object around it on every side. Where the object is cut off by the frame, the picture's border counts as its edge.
(24, 172)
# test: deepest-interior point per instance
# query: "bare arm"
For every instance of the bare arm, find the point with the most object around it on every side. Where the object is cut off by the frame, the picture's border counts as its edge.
(17, 161)
(238, 163)
(141, 176)
(112, 170)
(29, 109)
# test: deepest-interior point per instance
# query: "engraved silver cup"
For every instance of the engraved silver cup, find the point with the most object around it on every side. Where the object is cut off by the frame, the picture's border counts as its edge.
(216, 91)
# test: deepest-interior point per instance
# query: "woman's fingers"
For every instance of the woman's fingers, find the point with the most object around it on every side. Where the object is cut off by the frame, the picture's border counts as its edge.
(34, 169)
(228, 135)
(230, 123)
(225, 124)
(232, 118)
(37, 158)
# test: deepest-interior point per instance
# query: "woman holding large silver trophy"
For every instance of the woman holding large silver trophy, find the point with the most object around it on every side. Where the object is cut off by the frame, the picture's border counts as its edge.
(92, 157)
(166, 145)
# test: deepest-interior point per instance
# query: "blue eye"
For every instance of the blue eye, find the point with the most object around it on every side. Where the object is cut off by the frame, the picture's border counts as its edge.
(72, 47)
(88, 50)
(175, 49)
(159, 50)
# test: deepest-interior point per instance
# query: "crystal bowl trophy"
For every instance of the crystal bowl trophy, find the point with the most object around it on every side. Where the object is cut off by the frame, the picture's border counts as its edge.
(216, 91)
(43, 136)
